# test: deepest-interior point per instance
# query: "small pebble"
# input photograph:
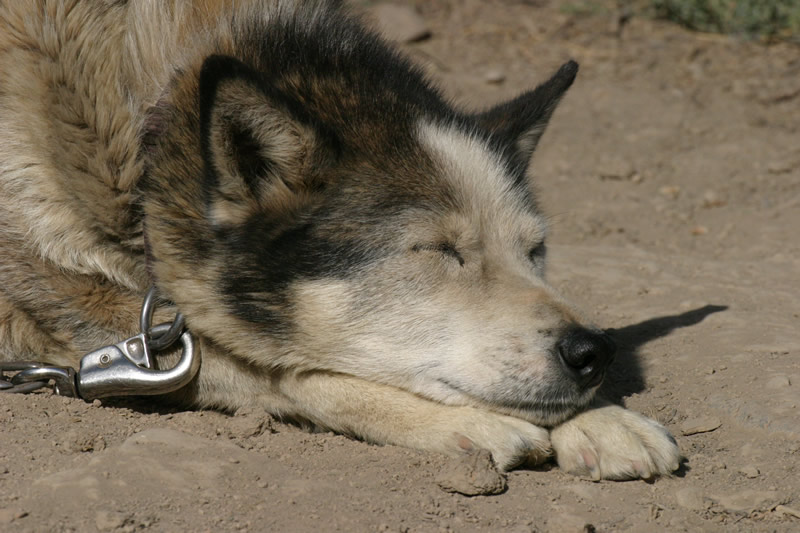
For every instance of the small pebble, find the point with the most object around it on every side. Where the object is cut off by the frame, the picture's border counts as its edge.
(749, 471)
(670, 191)
(718, 465)
(615, 168)
(400, 23)
(778, 382)
(472, 474)
(784, 510)
(748, 500)
(782, 167)
(702, 424)
(712, 199)
(9, 515)
(109, 520)
(494, 76)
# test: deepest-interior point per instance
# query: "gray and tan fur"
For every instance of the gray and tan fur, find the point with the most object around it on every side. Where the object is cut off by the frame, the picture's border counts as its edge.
(348, 249)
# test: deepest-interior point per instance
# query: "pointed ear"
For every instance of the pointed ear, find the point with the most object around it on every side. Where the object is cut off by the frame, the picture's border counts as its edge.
(256, 152)
(517, 125)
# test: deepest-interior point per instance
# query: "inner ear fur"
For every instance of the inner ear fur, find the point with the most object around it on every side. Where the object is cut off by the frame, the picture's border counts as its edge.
(517, 125)
(256, 153)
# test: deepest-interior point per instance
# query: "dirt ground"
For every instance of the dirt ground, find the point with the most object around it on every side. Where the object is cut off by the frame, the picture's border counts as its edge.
(671, 173)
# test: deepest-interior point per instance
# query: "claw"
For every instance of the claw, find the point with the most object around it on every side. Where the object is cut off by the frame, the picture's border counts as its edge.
(642, 471)
(590, 460)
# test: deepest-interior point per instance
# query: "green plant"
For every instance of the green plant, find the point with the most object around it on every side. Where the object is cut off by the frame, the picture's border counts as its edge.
(770, 19)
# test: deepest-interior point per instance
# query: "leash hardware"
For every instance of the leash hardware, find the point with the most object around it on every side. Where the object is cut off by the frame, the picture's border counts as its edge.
(121, 369)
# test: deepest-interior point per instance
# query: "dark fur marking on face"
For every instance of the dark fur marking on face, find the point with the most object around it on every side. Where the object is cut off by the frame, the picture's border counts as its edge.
(272, 255)
(538, 254)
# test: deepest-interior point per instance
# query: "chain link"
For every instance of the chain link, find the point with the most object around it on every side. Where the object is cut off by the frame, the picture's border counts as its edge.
(7, 383)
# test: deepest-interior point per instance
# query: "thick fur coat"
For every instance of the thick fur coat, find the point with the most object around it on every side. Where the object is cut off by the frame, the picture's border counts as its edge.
(349, 249)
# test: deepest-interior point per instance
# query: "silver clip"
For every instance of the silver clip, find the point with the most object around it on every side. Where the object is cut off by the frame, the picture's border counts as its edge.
(122, 369)
(125, 369)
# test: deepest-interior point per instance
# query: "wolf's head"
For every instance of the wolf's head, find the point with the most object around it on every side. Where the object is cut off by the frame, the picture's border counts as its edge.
(312, 204)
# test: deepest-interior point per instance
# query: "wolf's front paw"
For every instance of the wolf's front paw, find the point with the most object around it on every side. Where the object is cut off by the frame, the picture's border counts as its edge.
(610, 442)
(510, 440)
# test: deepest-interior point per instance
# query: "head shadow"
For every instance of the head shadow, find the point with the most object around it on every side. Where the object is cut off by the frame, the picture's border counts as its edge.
(626, 375)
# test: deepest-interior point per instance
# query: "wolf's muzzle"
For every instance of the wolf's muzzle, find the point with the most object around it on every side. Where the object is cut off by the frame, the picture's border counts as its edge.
(586, 354)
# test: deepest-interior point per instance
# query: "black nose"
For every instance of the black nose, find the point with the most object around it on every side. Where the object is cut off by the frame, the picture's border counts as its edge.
(586, 354)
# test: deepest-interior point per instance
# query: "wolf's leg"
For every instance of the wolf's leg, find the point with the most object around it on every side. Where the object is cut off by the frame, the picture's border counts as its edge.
(386, 415)
(610, 442)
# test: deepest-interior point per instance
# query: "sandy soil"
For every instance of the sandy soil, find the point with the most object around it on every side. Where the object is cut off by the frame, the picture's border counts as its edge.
(672, 176)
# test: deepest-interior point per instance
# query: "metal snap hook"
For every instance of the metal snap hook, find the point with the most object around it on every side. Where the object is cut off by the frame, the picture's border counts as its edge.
(110, 371)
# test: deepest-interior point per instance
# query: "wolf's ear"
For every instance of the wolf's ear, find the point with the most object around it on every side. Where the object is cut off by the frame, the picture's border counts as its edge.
(519, 123)
(256, 152)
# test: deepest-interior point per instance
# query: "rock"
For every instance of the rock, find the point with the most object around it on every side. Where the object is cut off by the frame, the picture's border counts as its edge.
(494, 76)
(784, 510)
(747, 501)
(778, 382)
(782, 167)
(749, 471)
(400, 23)
(8, 515)
(615, 168)
(249, 423)
(702, 424)
(691, 498)
(670, 191)
(472, 474)
(718, 465)
(109, 520)
(712, 199)
(78, 442)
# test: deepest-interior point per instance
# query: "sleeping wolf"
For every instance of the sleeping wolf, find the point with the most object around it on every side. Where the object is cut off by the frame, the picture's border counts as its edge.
(348, 249)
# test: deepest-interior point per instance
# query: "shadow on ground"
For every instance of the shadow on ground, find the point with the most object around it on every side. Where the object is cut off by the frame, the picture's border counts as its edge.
(625, 377)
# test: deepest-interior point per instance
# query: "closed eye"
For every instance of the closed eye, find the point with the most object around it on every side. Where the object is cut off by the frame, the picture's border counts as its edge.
(443, 247)
(537, 253)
